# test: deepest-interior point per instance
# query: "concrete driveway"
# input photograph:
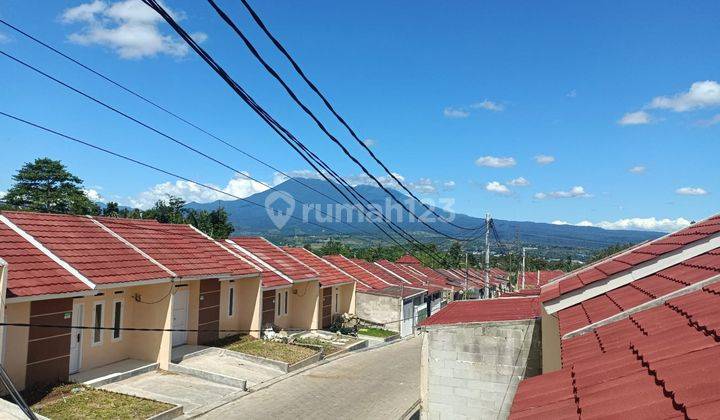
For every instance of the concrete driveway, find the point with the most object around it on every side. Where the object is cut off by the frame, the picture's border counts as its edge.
(251, 372)
(381, 383)
(192, 393)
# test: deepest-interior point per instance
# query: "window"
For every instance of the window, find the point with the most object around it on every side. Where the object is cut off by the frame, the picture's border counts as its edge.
(286, 302)
(117, 320)
(337, 301)
(98, 323)
(279, 303)
(231, 301)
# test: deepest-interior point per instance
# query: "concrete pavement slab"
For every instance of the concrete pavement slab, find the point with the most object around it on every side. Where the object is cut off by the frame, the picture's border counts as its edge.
(377, 383)
(190, 392)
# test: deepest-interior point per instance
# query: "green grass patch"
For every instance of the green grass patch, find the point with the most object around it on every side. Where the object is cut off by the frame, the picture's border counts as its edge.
(376, 332)
(328, 348)
(73, 401)
(274, 350)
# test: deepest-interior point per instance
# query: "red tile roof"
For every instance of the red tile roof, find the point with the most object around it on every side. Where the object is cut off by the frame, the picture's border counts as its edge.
(532, 279)
(387, 278)
(414, 278)
(369, 280)
(276, 257)
(657, 363)
(407, 259)
(500, 309)
(32, 273)
(178, 247)
(640, 291)
(629, 259)
(94, 252)
(330, 275)
(372, 279)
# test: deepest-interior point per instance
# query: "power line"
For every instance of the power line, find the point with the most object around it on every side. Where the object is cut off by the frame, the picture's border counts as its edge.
(322, 127)
(288, 137)
(163, 108)
(274, 124)
(157, 131)
(157, 169)
(324, 99)
(147, 165)
(401, 232)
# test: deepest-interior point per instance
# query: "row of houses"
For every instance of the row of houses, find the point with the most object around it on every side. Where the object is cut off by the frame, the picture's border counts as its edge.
(142, 288)
(635, 335)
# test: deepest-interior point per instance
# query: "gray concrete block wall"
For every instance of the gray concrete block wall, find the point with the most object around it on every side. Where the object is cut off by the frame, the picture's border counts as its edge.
(380, 309)
(472, 371)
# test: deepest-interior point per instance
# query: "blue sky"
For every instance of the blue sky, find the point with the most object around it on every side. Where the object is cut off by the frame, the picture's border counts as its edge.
(608, 110)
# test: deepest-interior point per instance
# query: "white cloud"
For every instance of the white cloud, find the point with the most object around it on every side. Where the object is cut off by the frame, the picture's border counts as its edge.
(423, 186)
(369, 142)
(640, 223)
(559, 222)
(488, 105)
(128, 27)
(3, 193)
(700, 95)
(94, 195)
(497, 188)
(544, 159)
(635, 118)
(238, 186)
(4, 39)
(519, 182)
(691, 191)
(574, 192)
(571, 94)
(711, 121)
(638, 169)
(495, 162)
(448, 185)
(451, 112)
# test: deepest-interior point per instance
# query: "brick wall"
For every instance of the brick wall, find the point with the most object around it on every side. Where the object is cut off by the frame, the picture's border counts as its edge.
(473, 370)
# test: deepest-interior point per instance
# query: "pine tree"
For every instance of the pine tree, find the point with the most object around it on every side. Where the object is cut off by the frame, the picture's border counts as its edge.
(45, 185)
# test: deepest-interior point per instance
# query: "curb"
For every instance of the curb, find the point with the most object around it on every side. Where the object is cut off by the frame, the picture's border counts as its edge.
(209, 376)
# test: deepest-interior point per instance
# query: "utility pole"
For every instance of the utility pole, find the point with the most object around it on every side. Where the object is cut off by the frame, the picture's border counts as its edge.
(523, 263)
(486, 293)
(466, 276)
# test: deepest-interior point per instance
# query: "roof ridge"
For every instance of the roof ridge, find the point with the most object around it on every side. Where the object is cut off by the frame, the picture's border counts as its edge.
(131, 245)
(658, 301)
(268, 266)
(628, 250)
(377, 263)
(47, 252)
(365, 270)
(291, 256)
(236, 255)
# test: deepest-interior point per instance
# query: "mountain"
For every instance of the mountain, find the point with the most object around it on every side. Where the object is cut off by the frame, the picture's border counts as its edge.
(292, 211)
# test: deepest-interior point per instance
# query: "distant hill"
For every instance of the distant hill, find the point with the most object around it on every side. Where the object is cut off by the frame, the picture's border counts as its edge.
(255, 220)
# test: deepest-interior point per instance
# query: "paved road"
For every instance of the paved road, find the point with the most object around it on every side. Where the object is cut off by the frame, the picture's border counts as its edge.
(376, 384)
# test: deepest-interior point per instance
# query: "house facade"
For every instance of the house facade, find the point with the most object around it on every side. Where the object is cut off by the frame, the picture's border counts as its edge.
(290, 288)
(112, 275)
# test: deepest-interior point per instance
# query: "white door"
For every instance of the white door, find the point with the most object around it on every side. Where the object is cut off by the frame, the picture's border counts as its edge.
(407, 322)
(180, 317)
(76, 338)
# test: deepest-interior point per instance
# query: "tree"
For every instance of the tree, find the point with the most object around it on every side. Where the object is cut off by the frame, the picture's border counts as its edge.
(455, 256)
(170, 211)
(112, 209)
(214, 223)
(45, 185)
